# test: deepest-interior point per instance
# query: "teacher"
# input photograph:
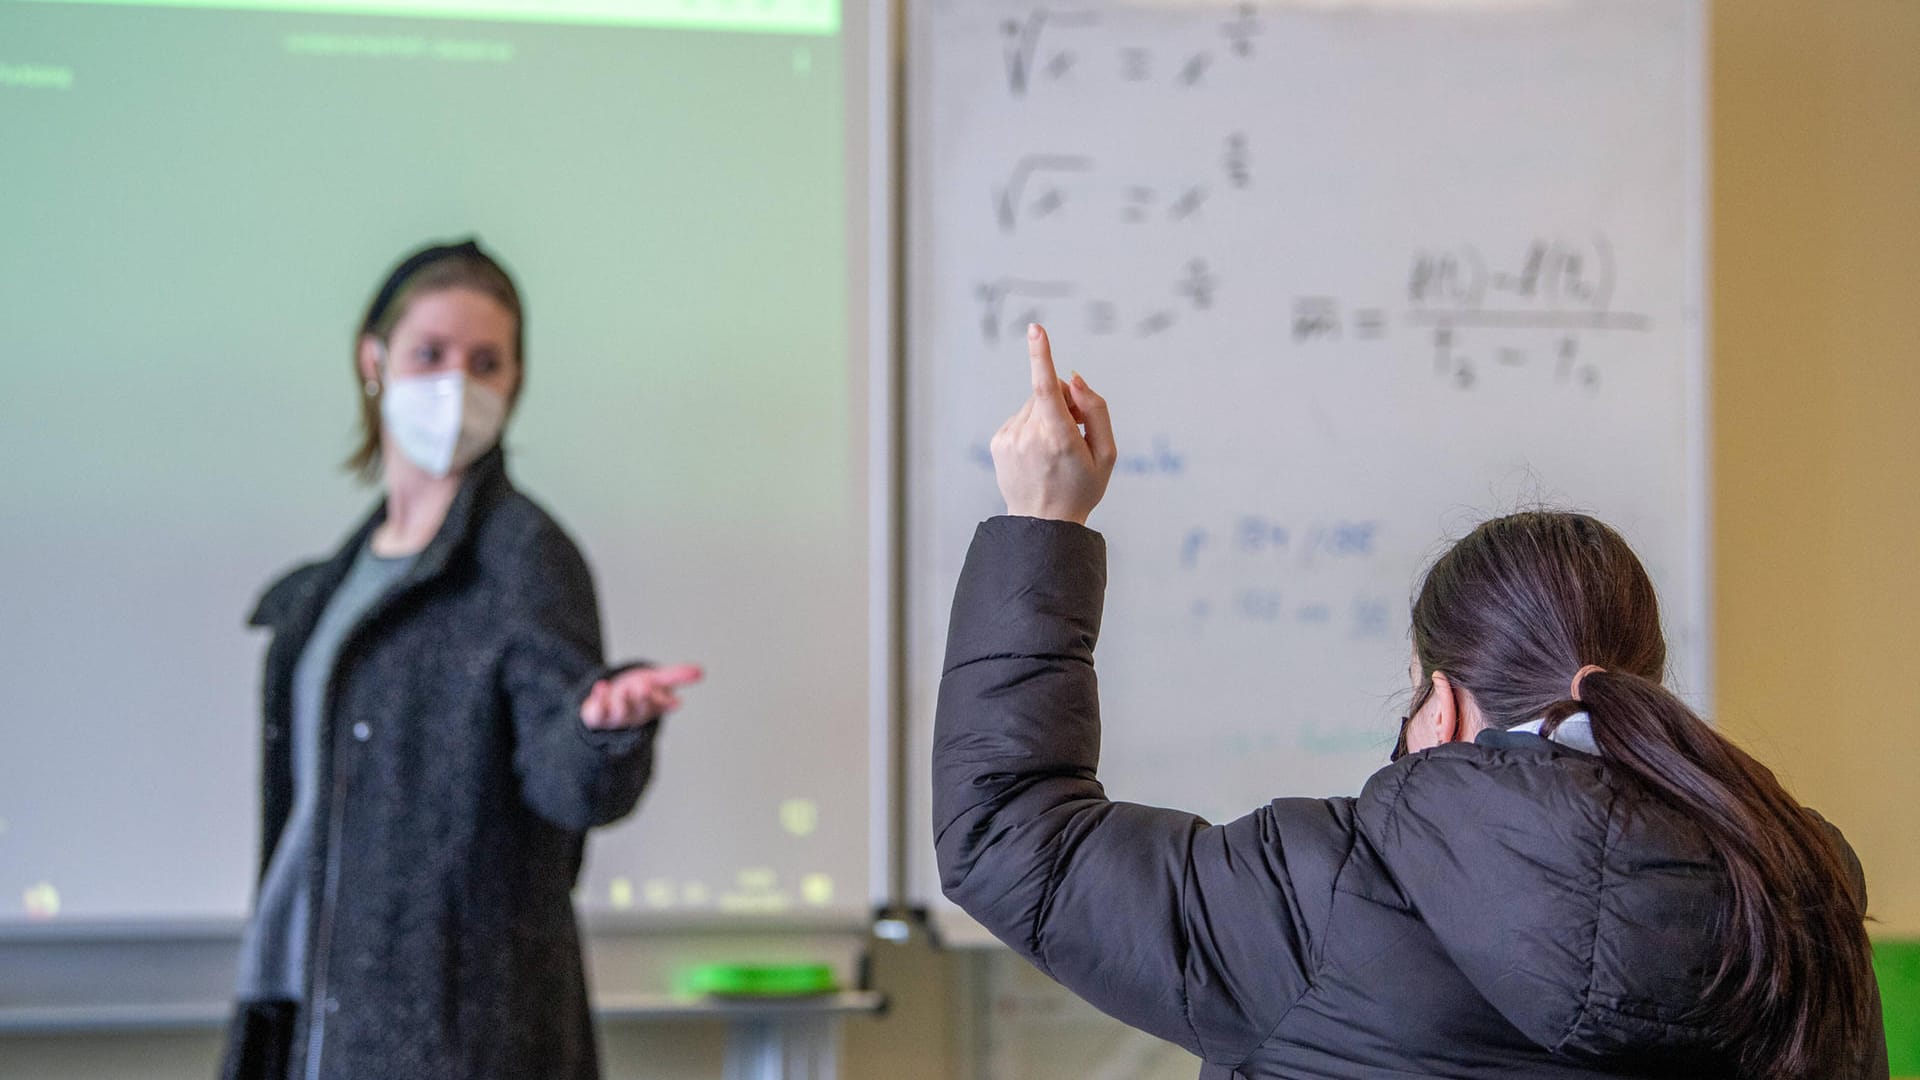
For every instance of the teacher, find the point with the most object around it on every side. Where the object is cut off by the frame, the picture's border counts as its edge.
(440, 730)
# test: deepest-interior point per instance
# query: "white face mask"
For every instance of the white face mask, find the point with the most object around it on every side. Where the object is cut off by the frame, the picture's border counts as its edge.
(442, 423)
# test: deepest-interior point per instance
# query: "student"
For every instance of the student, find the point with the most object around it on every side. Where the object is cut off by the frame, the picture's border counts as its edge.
(1564, 873)
(440, 732)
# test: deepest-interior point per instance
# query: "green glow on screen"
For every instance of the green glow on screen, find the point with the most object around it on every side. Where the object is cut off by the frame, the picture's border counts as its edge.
(757, 16)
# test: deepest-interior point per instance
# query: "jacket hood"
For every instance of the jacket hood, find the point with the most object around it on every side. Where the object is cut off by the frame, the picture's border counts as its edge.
(1582, 908)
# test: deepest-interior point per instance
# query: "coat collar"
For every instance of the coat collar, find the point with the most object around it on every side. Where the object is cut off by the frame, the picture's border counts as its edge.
(480, 489)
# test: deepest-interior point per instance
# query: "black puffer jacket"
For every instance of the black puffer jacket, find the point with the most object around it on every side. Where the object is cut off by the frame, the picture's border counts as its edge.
(1502, 908)
(460, 783)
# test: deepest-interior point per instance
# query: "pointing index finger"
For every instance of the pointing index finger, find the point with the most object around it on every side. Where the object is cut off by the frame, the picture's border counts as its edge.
(1046, 383)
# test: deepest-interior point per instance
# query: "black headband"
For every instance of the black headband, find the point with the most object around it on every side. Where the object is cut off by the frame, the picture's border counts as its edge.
(410, 266)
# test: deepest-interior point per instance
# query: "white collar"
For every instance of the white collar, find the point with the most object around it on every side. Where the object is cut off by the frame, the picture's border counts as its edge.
(1574, 733)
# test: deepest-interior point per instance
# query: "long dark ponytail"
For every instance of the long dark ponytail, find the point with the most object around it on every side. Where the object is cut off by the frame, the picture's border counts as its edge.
(1510, 613)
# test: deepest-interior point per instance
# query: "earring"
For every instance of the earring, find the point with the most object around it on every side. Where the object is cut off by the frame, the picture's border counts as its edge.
(372, 388)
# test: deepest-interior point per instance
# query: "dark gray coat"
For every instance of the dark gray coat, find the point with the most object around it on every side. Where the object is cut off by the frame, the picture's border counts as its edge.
(1504, 908)
(461, 786)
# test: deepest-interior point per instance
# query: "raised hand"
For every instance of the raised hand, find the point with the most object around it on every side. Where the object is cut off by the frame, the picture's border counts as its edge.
(1054, 457)
(636, 696)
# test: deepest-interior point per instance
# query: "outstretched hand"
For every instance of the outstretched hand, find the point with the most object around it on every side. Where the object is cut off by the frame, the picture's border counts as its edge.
(1054, 457)
(636, 696)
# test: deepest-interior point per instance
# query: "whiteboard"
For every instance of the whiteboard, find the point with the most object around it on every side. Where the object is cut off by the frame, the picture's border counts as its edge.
(1352, 276)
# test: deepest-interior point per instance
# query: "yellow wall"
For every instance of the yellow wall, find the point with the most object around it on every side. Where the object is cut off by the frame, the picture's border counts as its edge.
(1815, 267)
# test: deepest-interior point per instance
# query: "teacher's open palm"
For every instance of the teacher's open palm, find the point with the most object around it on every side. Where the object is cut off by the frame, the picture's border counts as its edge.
(637, 696)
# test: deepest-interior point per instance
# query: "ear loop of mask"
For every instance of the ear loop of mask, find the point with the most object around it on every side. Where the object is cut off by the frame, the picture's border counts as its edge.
(1420, 700)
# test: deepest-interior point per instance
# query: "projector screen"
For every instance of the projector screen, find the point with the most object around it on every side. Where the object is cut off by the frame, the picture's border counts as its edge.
(199, 200)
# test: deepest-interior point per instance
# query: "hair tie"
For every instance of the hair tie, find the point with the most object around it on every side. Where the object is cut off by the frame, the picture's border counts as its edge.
(1574, 688)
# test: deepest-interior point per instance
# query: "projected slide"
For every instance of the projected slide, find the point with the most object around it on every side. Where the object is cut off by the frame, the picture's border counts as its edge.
(764, 16)
(199, 201)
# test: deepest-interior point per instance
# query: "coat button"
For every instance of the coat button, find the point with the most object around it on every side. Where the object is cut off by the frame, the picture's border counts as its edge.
(333, 1005)
(362, 732)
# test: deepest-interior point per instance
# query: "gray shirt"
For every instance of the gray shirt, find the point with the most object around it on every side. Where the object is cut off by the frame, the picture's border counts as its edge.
(273, 954)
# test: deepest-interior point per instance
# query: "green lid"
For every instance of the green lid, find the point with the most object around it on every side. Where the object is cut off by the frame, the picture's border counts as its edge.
(756, 980)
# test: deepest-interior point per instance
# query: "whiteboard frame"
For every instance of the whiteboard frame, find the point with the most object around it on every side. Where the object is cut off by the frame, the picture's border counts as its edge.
(1699, 604)
(887, 602)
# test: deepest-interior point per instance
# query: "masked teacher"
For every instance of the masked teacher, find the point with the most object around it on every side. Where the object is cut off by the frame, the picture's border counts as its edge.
(440, 731)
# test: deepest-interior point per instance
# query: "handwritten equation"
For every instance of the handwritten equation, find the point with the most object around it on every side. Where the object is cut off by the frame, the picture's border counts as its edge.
(1050, 47)
(1049, 187)
(1261, 570)
(1259, 539)
(1480, 316)
(1360, 617)
(1006, 305)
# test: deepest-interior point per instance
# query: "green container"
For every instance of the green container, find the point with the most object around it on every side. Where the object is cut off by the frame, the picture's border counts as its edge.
(1897, 964)
(755, 980)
